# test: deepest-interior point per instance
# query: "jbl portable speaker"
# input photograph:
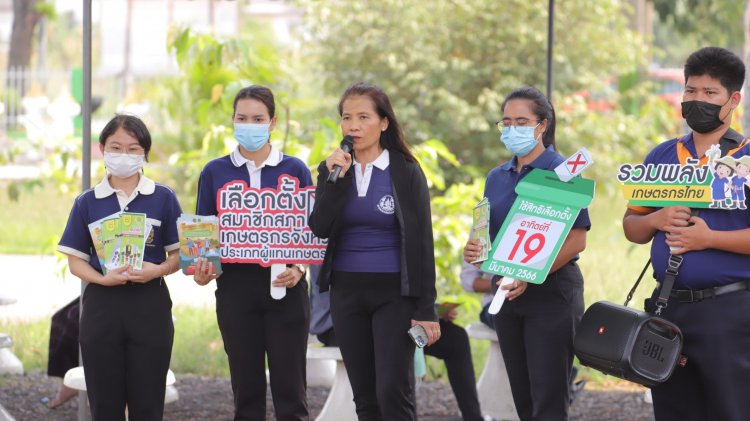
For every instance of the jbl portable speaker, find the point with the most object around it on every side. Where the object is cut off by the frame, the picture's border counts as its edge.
(628, 343)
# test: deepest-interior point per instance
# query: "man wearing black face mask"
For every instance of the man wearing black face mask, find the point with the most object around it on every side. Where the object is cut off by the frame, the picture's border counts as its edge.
(711, 297)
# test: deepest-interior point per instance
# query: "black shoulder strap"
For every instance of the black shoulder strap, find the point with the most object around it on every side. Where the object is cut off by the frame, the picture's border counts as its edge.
(726, 145)
(638, 281)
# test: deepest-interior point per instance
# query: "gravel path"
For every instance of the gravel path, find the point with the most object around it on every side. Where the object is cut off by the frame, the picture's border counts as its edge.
(203, 398)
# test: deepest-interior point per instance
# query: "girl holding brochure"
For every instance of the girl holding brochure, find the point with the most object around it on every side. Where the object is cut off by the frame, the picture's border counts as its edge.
(536, 324)
(379, 262)
(126, 326)
(252, 323)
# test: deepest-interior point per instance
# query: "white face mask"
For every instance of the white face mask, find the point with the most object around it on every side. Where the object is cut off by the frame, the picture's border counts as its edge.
(123, 165)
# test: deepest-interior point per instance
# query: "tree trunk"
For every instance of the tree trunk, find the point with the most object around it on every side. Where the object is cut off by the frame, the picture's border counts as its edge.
(746, 52)
(25, 18)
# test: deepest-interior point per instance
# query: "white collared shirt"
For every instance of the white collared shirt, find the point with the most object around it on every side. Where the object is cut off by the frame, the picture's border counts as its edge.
(272, 160)
(363, 177)
(104, 189)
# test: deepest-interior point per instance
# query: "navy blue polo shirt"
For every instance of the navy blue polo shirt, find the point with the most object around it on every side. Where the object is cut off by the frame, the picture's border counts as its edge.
(370, 240)
(500, 188)
(228, 168)
(158, 202)
(704, 268)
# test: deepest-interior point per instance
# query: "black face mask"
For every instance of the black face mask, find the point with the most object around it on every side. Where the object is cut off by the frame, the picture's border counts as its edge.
(702, 117)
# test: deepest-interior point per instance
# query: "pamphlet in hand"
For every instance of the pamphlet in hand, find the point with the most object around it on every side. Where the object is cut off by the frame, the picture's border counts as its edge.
(199, 238)
(480, 229)
(95, 229)
(124, 239)
(133, 233)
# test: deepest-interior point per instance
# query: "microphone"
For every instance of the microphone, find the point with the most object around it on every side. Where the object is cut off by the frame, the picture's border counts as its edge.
(347, 144)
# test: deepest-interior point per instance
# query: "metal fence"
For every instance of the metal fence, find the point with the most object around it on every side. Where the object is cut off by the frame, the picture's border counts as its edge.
(22, 86)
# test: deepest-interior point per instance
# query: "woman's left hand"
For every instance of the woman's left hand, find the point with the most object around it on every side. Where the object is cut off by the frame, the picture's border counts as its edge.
(288, 278)
(148, 272)
(432, 329)
(514, 288)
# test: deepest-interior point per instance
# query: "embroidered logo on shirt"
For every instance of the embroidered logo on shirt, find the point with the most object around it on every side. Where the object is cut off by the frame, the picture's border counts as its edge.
(387, 205)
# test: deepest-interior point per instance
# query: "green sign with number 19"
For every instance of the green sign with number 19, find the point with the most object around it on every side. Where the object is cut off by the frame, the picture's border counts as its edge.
(537, 225)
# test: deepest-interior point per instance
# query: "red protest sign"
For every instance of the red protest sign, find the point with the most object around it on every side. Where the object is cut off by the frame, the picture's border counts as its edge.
(267, 226)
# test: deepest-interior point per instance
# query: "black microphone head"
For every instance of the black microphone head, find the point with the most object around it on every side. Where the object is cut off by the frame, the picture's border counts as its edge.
(347, 144)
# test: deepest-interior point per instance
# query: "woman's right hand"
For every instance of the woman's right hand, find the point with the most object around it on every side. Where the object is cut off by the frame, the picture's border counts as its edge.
(204, 272)
(341, 158)
(472, 250)
(115, 277)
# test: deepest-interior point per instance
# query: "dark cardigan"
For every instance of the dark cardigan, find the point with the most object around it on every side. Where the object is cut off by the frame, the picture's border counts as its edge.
(412, 200)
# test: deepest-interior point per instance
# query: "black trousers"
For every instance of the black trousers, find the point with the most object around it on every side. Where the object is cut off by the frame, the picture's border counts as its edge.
(536, 333)
(255, 326)
(126, 338)
(715, 382)
(371, 320)
(63, 340)
(454, 349)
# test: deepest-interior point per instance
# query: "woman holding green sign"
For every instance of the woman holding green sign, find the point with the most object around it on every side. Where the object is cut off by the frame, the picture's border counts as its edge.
(536, 325)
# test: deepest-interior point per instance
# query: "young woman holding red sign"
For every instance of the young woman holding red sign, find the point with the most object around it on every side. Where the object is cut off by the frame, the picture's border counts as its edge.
(254, 325)
(380, 261)
(536, 324)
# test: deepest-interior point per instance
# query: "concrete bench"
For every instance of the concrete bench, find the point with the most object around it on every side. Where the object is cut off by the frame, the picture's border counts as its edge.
(340, 403)
(75, 379)
(319, 372)
(9, 363)
(493, 387)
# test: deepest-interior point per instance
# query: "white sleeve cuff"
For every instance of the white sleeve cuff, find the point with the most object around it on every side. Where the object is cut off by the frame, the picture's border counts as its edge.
(172, 247)
(73, 252)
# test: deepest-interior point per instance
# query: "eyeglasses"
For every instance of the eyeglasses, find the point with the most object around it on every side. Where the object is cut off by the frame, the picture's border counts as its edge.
(132, 150)
(519, 122)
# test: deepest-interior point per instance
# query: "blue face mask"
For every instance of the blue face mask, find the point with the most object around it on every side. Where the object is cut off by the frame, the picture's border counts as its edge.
(251, 136)
(519, 140)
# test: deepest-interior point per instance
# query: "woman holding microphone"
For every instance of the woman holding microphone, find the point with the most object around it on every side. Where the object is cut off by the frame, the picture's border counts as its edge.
(536, 324)
(380, 262)
(253, 324)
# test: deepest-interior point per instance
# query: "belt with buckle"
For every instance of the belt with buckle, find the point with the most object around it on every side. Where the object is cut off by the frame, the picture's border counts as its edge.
(695, 295)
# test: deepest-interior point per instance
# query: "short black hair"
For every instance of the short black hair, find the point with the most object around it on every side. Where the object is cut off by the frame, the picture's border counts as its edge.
(131, 124)
(719, 63)
(258, 93)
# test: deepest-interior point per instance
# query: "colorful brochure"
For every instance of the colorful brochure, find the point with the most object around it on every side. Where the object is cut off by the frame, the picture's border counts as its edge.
(133, 232)
(199, 238)
(124, 239)
(95, 229)
(480, 229)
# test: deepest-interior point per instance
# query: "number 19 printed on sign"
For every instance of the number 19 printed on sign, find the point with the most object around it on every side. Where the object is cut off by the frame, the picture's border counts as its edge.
(529, 241)
(536, 225)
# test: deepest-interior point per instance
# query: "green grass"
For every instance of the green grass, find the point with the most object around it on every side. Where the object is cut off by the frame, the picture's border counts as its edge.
(30, 342)
(34, 222)
(197, 349)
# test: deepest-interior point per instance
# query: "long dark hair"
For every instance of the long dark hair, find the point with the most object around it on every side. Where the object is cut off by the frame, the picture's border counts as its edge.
(541, 107)
(393, 137)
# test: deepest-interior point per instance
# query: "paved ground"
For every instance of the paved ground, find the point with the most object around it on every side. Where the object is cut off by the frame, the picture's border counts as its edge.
(210, 398)
(39, 292)
(34, 283)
